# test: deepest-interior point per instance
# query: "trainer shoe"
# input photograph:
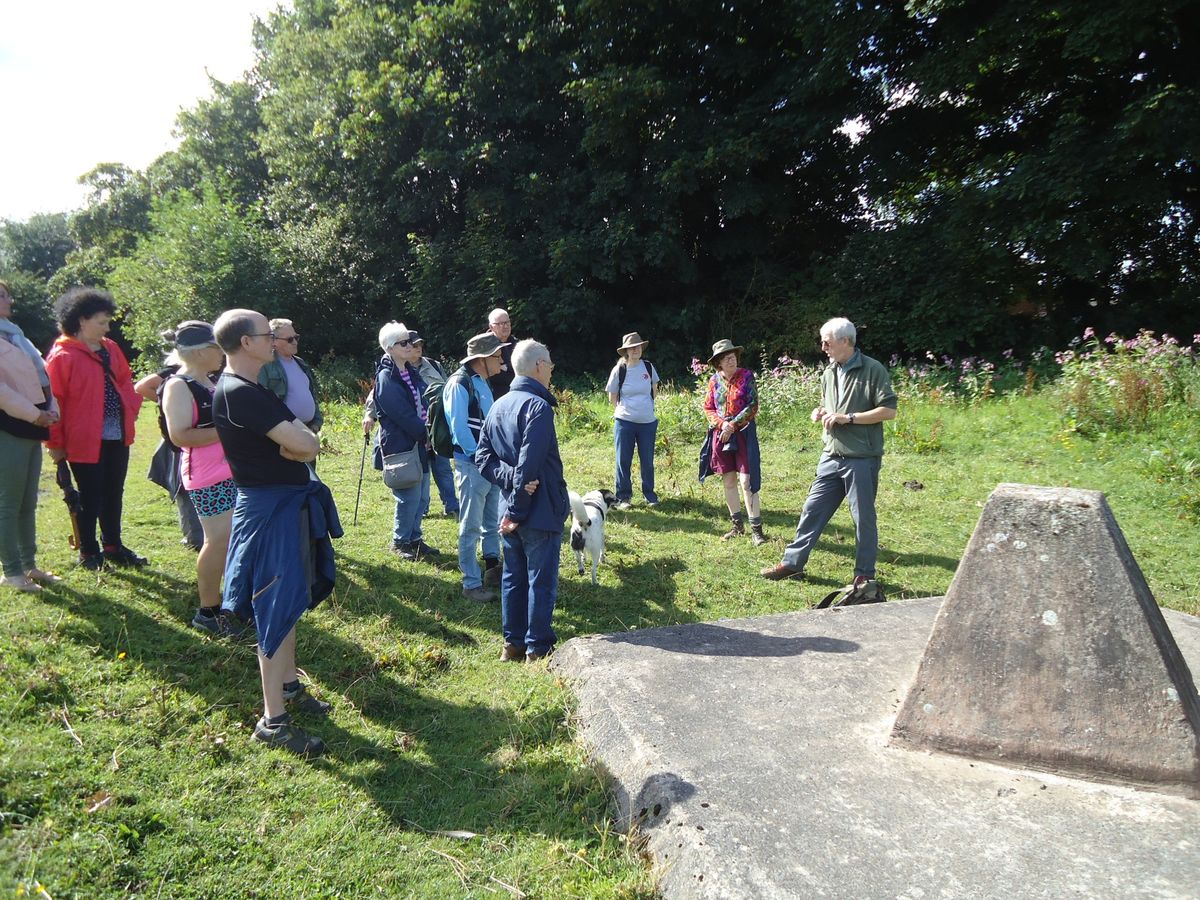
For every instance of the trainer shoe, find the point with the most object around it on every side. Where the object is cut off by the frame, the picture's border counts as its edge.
(41, 576)
(20, 583)
(781, 572)
(287, 736)
(301, 701)
(479, 594)
(223, 624)
(404, 551)
(123, 556)
(92, 561)
(622, 504)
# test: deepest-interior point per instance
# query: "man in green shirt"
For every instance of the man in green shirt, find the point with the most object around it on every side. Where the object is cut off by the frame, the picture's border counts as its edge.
(856, 399)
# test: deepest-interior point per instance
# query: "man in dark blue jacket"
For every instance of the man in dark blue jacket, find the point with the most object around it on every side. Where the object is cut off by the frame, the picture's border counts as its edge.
(518, 451)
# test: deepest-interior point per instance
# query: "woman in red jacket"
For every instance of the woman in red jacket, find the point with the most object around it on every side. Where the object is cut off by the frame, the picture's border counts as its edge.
(91, 381)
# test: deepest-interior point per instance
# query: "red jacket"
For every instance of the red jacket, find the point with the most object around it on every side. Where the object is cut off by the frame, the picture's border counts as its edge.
(77, 380)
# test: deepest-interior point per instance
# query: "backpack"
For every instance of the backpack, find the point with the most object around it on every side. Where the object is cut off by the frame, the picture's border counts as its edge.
(204, 403)
(622, 371)
(870, 592)
(441, 437)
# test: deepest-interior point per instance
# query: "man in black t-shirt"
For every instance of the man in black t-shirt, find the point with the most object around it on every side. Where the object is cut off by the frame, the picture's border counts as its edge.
(267, 450)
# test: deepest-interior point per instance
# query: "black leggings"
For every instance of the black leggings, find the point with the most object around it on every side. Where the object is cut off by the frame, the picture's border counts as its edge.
(101, 492)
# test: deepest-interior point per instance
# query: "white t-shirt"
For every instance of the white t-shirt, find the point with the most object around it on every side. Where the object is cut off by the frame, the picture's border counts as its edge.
(636, 404)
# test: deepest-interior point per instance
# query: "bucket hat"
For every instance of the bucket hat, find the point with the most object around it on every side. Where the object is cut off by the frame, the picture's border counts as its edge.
(721, 347)
(482, 346)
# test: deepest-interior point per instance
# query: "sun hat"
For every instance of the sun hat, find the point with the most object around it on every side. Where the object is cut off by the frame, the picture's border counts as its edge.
(721, 347)
(192, 335)
(392, 333)
(482, 346)
(633, 339)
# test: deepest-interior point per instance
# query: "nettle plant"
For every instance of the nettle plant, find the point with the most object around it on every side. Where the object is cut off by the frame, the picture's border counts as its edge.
(1115, 383)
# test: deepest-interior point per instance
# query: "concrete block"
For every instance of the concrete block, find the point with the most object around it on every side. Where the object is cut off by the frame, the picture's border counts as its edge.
(1050, 652)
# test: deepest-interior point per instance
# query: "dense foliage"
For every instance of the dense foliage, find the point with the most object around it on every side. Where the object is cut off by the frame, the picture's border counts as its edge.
(958, 177)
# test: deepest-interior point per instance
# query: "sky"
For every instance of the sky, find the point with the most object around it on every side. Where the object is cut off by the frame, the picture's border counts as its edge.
(89, 81)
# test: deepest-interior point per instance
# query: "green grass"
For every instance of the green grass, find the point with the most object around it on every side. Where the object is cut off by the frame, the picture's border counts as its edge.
(126, 766)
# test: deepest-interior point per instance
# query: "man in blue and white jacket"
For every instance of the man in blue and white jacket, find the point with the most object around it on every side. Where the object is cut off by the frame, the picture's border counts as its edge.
(518, 450)
(467, 398)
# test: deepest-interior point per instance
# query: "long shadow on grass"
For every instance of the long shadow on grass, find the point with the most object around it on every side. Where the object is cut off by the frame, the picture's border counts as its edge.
(438, 765)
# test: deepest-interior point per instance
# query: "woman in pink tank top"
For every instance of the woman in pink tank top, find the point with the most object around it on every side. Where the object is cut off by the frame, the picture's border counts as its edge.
(187, 409)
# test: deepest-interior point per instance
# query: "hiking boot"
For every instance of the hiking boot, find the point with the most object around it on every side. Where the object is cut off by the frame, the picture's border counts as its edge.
(92, 561)
(756, 535)
(533, 656)
(781, 572)
(124, 557)
(737, 530)
(421, 548)
(479, 594)
(492, 572)
(404, 551)
(513, 653)
(287, 736)
(299, 700)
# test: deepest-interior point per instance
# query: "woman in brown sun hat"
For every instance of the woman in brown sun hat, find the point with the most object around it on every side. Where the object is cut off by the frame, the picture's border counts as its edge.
(632, 387)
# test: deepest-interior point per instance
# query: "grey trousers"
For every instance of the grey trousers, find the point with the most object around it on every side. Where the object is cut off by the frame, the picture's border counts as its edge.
(840, 478)
(20, 468)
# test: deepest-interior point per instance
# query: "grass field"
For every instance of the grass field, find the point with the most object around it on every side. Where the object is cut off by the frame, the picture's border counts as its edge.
(126, 766)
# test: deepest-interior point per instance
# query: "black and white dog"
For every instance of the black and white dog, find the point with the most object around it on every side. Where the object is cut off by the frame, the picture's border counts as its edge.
(587, 526)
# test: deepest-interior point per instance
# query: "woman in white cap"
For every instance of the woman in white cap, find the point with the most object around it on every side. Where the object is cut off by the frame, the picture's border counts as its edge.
(730, 405)
(632, 387)
(187, 400)
(399, 403)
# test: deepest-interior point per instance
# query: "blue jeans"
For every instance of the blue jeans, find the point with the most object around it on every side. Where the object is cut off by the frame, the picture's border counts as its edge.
(838, 478)
(409, 503)
(443, 477)
(530, 587)
(625, 435)
(478, 519)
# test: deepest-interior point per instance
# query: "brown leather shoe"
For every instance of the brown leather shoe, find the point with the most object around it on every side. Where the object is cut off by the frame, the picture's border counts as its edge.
(781, 572)
(512, 653)
(532, 657)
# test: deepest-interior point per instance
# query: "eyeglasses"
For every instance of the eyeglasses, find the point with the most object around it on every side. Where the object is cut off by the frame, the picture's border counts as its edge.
(547, 362)
(289, 340)
(266, 334)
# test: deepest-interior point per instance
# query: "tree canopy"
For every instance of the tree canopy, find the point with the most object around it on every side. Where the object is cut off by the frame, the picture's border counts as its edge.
(951, 175)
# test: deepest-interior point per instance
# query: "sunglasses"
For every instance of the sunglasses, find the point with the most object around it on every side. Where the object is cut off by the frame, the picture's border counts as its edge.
(401, 343)
(294, 339)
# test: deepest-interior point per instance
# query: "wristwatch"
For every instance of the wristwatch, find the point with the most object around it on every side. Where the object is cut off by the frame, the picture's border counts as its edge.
(851, 419)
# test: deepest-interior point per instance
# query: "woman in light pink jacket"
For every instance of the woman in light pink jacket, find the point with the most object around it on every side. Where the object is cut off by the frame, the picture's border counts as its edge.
(27, 410)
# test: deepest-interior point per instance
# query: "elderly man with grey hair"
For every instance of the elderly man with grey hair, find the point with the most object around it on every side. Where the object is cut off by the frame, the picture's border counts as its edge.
(518, 450)
(500, 325)
(856, 399)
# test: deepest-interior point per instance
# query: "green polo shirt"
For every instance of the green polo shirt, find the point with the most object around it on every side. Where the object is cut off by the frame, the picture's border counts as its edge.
(858, 385)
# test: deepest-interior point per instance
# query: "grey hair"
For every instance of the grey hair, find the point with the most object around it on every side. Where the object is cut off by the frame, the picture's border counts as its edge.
(527, 354)
(495, 314)
(839, 329)
(231, 326)
(279, 323)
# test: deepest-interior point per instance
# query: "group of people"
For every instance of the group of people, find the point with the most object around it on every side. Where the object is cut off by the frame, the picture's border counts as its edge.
(242, 451)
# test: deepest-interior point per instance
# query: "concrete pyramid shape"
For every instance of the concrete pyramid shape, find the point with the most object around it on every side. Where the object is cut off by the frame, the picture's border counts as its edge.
(1050, 652)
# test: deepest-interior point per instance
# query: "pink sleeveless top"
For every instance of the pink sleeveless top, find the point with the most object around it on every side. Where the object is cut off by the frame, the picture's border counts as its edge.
(203, 467)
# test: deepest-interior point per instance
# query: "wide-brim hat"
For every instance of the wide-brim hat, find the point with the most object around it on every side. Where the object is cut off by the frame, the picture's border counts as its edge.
(721, 347)
(481, 347)
(631, 340)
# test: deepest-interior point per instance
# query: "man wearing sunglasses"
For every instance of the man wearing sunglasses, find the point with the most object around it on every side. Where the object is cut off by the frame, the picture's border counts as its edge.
(290, 378)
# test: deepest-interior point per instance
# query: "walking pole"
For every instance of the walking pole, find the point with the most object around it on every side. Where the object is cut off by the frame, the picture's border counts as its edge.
(361, 466)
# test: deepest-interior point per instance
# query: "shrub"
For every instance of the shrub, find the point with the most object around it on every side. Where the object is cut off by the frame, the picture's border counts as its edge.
(1118, 384)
